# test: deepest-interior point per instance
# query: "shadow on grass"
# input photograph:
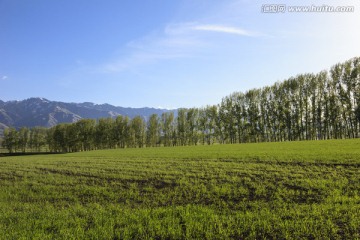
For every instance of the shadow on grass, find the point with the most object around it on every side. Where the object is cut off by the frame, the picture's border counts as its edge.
(28, 154)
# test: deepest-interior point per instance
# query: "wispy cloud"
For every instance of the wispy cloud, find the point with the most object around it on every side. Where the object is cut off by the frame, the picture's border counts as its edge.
(176, 40)
(137, 59)
(4, 77)
(223, 29)
(173, 42)
(184, 39)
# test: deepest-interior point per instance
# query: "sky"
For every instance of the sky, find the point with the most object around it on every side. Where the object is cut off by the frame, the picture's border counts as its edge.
(165, 54)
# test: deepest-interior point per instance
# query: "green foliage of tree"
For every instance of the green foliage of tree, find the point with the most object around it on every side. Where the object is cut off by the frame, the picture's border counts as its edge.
(168, 131)
(105, 134)
(121, 129)
(137, 132)
(11, 139)
(153, 131)
(86, 130)
(23, 135)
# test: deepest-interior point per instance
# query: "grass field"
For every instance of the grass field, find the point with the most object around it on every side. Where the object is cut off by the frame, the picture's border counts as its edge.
(290, 190)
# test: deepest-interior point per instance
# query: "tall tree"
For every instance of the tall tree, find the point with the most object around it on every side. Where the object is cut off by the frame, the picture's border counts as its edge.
(23, 139)
(192, 126)
(59, 138)
(86, 131)
(182, 126)
(153, 131)
(137, 132)
(11, 139)
(121, 131)
(38, 138)
(105, 134)
(167, 122)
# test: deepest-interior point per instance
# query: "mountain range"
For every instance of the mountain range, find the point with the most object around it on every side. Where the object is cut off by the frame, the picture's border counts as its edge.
(42, 112)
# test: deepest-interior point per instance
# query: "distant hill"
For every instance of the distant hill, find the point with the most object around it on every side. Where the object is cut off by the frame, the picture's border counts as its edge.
(45, 113)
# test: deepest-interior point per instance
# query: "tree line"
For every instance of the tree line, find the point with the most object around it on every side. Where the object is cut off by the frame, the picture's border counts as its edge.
(304, 107)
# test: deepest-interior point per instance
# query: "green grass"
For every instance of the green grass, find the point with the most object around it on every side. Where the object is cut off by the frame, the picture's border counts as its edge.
(290, 190)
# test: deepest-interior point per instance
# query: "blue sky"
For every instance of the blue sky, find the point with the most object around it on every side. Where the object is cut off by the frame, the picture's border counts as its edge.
(163, 53)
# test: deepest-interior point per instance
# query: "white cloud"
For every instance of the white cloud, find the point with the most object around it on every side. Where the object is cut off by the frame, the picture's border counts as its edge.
(173, 42)
(176, 40)
(181, 39)
(136, 59)
(4, 77)
(223, 29)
